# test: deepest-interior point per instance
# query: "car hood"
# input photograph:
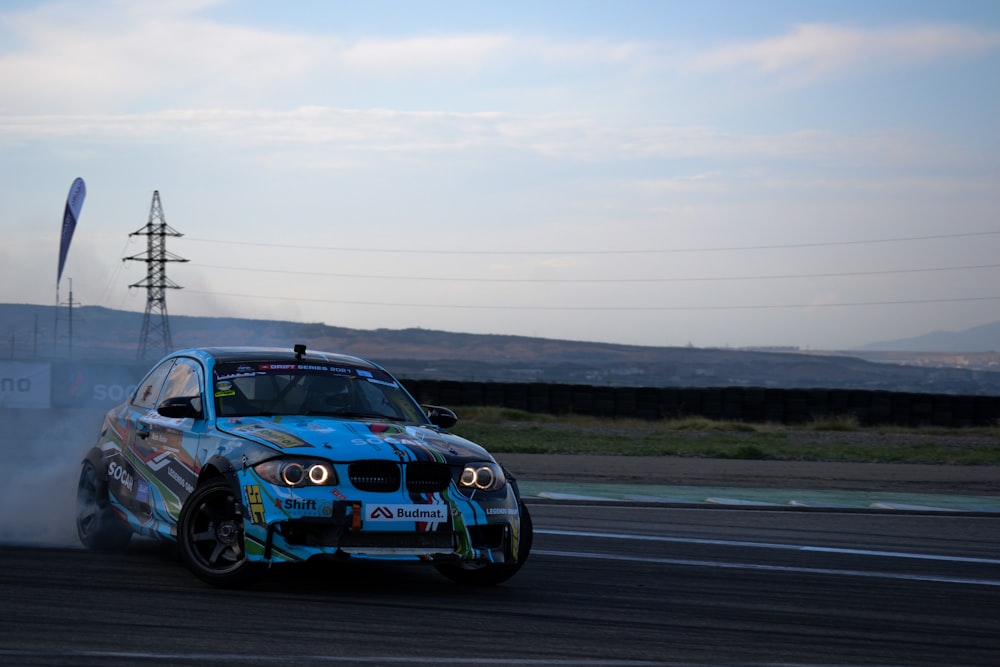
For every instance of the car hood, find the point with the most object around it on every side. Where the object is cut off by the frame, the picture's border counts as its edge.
(349, 440)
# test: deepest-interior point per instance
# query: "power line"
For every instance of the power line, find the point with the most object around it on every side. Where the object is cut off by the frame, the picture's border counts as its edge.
(798, 276)
(641, 251)
(616, 308)
(596, 308)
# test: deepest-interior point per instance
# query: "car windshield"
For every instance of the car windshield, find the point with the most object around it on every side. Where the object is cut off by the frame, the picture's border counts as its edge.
(308, 388)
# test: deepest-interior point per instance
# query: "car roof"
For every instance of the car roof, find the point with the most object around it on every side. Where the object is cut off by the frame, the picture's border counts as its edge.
(229, 354)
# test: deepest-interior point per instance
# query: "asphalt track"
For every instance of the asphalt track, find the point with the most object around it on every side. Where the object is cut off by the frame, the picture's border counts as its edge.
(608, 583)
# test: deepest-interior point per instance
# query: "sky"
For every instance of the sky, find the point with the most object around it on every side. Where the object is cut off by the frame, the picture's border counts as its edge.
(718, 173)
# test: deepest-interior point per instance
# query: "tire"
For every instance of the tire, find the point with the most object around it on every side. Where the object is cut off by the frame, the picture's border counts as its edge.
(210, 537)
(494, 573)
(97, 524)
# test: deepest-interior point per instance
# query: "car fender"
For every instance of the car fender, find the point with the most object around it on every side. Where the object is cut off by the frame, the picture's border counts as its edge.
(513, 483)
(99, 459)
(219, 466)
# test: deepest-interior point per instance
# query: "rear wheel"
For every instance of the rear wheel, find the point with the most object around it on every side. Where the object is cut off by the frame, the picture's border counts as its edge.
(97, 524)
(492, 574)
(210, 536)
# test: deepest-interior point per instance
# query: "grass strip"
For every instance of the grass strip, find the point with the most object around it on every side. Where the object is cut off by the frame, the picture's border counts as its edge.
(841, 438)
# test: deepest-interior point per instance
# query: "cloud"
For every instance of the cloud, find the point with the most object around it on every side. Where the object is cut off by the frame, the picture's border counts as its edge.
(812, 52)
(61, 57)
(317, 138)
(400, 57)
(702, 183)
(112, 56)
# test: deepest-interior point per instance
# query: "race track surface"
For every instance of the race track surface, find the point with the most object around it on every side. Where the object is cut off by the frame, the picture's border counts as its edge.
(607, 584)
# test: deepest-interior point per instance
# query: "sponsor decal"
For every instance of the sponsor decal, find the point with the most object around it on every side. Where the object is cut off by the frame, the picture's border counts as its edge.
(506, 511)
(364, 373)
(383, 382)
(426, 513)
(142, 495)
(167, 438)
(371, 441)
(255, 503)
(273, 436)
(223, 385)
(118, 473)
(176, 476)
(295, 503)
(304, 506)
(230, 376)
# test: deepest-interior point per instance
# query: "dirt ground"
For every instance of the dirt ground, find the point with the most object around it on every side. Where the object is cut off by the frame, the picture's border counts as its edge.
(669, 470)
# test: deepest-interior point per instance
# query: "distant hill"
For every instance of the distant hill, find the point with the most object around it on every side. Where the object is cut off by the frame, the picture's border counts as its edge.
(984, 338)
(102, 334)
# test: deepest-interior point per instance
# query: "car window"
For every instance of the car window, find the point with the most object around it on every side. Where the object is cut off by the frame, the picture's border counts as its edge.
(184, 380)
(384, 400)
(256, 388)
(149, 389)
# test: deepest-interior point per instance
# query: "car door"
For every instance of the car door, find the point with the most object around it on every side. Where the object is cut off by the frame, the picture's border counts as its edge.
(165, 450)
(128, 474)
(171, 448)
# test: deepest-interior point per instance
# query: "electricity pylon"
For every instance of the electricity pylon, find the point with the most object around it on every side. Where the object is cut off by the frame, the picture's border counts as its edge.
(156, 283)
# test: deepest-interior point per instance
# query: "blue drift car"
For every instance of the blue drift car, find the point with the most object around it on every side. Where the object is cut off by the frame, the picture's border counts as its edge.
(252, 456)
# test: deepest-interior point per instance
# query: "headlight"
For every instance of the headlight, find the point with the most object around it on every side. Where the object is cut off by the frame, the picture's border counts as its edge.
(482, 477)
(297, 472)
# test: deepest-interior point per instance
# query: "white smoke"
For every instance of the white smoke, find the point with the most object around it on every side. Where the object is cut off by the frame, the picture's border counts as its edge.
(40, 456)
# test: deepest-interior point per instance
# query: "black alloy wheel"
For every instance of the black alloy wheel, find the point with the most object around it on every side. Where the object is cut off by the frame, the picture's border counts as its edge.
(493, 573)
(210, 536)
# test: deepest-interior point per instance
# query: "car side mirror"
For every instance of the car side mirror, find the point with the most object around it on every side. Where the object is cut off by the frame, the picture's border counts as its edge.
(181, 407)
(439, 416)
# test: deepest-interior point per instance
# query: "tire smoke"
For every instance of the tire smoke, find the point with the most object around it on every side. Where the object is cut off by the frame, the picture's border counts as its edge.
(41, 452)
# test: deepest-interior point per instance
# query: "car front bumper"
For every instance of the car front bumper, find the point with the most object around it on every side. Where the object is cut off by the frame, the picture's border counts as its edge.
(294, 524)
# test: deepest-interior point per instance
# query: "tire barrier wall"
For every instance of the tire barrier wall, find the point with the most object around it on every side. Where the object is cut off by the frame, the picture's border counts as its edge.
(745, 404)
(102, 386)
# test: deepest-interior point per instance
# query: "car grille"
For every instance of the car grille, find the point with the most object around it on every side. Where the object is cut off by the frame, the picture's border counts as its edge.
(386, 476)
(427, 477)
(377, 476)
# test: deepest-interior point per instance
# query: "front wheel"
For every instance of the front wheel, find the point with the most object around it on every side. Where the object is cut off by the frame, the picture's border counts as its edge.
(494, 573)
(97, 524)
(210, 536)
